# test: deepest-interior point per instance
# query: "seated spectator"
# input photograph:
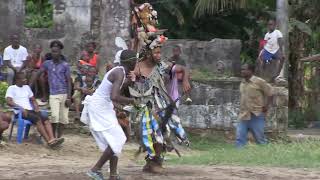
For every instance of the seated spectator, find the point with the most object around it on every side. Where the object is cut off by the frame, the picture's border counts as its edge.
(84, 61)
(271, 57)
(35, 60)
(87, 71)
(93, 55)
(20, 95)
(5, 120)
(109, 66)
(83, 86)
(15, 57)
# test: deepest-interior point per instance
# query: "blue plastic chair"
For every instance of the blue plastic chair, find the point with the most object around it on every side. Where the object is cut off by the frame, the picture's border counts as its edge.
(23, 127)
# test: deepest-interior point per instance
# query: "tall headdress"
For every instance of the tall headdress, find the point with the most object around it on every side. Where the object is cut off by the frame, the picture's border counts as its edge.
(146, 35)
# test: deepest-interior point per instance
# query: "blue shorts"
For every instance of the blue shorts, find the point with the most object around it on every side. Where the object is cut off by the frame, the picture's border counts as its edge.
(267, 56)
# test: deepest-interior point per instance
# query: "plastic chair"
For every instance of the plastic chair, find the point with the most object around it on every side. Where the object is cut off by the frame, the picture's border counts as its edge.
(23, 127)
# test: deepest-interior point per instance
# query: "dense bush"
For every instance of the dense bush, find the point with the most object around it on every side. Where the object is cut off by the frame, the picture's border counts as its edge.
(3, 90)
(39, 14)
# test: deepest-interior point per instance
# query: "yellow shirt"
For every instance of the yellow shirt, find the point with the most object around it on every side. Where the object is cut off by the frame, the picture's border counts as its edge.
(253, 94)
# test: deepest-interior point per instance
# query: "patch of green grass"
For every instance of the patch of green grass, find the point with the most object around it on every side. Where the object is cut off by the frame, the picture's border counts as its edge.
(210, 151)
(204, 74)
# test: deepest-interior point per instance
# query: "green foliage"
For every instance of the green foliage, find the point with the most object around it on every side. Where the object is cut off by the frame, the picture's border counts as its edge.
(39, 14)
(311, 78)
(214, 151)
(300, 25)
(3, 89)
(205, 74)
(247, 24)
(211, 7)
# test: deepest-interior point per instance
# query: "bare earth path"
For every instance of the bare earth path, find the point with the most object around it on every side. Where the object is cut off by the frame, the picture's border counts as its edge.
(35, 162)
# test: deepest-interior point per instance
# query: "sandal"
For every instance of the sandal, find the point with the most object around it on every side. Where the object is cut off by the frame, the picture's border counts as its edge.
(56, 142)
(95, 175)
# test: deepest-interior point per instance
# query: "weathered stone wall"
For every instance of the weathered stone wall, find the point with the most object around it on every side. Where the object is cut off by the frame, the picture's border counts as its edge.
(208, 54)
(216, 106)
(72, 20)
(76, 22)
(115, 21)
(11, 20)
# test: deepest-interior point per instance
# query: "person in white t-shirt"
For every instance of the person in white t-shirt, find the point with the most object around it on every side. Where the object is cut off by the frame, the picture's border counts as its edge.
(273, 46)
(15, 57)
(20, 95)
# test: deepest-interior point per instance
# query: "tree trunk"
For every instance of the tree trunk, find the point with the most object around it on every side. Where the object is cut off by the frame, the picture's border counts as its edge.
(283, 22)
(297, 42)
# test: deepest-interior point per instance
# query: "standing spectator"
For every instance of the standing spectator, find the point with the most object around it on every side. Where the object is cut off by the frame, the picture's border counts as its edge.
(256, 96)
(174, 80)
(35, 60)
(176, 56)
(60, 86)
(93, 55)
(15, 57)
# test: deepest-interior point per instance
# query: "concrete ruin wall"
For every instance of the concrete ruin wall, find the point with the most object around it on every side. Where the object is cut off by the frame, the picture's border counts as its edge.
(76, 22)
(72, 20)
(208, 55)
(115, 21)
(11, 20)
(216, 106)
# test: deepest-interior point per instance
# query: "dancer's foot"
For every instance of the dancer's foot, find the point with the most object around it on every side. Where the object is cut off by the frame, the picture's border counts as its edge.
(96, 175)
(153, 167)
(115, 177)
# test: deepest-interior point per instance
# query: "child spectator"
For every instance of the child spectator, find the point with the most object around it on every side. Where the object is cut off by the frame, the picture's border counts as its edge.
(93, 55)
(82, 89)
(35, 60)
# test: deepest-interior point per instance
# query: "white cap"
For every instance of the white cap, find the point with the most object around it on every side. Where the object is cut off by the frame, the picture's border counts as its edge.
(117, 57)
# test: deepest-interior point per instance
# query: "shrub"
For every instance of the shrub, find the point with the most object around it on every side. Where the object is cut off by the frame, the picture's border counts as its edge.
(3, 89)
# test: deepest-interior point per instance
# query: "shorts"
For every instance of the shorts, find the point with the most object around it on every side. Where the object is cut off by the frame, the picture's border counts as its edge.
(34, 117)
(267, 56)
(59, 111)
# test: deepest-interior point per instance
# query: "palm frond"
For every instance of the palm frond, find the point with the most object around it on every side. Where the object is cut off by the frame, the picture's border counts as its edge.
(212, 6)
(173, 9)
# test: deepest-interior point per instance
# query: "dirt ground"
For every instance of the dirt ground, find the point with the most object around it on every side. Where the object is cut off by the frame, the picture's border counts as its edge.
(30, 161)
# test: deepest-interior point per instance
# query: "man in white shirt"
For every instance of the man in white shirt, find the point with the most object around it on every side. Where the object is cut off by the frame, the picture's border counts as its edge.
(20, 95)
(273, 47)
(15, 57)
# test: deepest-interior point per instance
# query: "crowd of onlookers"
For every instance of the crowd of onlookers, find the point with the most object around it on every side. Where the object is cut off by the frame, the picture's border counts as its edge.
(36, 79)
